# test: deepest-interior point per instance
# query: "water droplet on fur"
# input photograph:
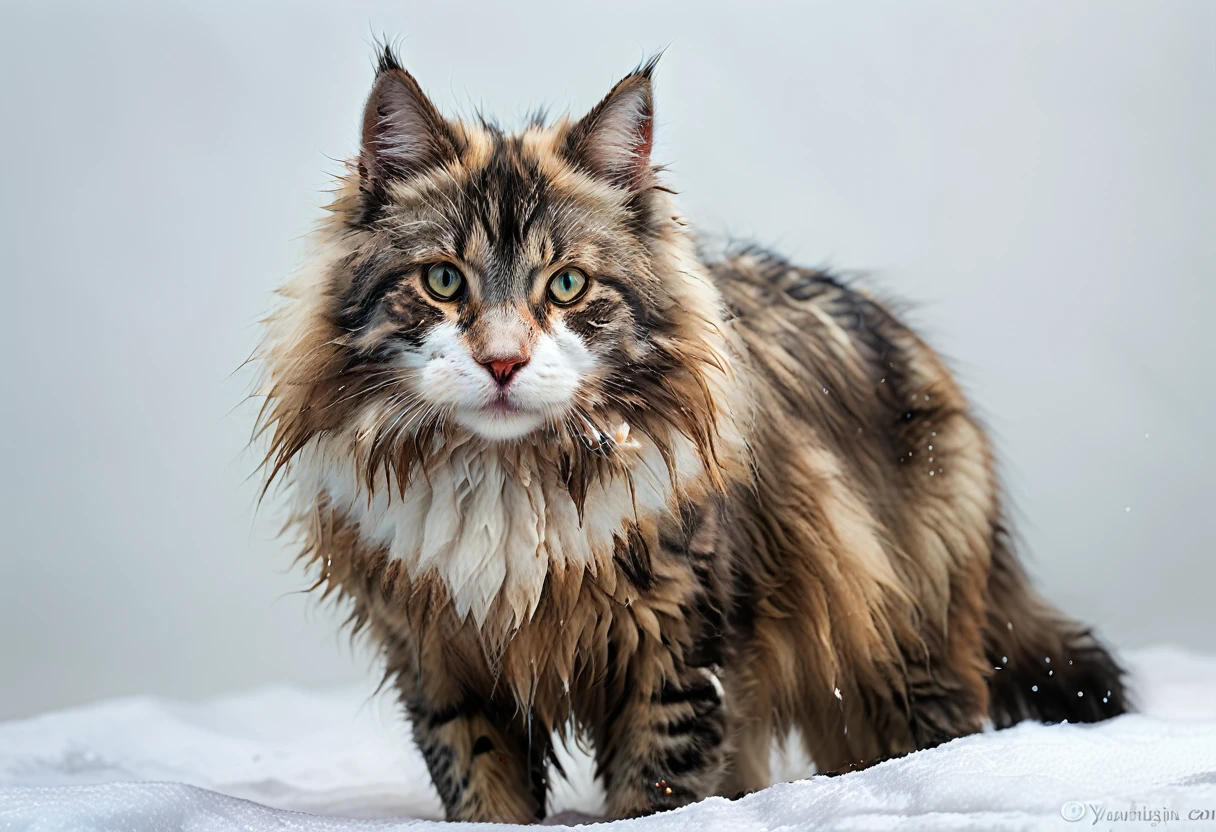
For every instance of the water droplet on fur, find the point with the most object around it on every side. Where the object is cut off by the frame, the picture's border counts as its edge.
(1048, 659)
(1009, 624)
(1051, 673)
(930, 447)
(837, 692)
(1070, 661)
(1034, 688)
(1108, 693)
(1004, 660)
(939, 470)
(933, 433)
(882, 381)
(343, 387)
(930, 458)
(1080, 693)
(1104, 700)
(926, 398)
(931, 473)
(825, 390)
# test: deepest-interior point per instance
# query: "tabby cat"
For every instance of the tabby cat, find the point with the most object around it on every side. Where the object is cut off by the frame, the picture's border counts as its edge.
(573, 476)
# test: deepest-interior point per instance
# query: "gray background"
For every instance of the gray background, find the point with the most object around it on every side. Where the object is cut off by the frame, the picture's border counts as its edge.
(1037, 177)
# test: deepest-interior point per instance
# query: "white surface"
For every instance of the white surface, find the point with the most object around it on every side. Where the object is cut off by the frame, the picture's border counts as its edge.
(341, 754)
(1038, 177)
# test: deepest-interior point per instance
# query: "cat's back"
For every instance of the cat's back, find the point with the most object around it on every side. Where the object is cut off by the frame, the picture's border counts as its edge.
(853, 405)
(836, 331)
(833, 351)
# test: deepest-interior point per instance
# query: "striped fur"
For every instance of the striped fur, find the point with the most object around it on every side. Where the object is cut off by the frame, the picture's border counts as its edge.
(718, 501)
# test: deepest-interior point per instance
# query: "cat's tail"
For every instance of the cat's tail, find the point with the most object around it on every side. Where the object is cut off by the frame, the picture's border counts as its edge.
(1051, 668)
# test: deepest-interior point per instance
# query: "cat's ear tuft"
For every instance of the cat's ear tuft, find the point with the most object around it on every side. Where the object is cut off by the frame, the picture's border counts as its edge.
(403, 133)
(614, 140)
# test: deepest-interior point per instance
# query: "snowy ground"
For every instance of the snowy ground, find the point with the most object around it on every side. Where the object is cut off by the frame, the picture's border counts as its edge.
(283, 758)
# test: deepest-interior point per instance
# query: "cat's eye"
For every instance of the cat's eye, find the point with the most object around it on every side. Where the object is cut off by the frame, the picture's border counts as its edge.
(567, 286)
(443, 280)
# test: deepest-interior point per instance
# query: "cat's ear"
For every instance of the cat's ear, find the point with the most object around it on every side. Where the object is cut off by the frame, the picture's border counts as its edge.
(614, 140)
(403, 133)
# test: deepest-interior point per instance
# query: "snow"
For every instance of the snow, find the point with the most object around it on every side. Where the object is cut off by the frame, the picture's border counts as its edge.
(340, 760)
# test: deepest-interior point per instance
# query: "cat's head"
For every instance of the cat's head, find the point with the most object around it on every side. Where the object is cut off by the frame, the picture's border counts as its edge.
(533, 287)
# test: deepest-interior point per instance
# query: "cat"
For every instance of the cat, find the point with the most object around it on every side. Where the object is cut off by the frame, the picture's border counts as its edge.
(574, 477)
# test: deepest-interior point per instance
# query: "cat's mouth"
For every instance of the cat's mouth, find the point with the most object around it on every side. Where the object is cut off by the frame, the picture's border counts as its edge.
(501, 419)
(500, 404)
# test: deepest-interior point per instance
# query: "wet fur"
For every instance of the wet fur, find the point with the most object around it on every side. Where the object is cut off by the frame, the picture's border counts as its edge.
(802, 530)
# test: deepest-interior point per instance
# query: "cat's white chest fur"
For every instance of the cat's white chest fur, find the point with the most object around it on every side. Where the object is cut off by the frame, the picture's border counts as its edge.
(484, 523)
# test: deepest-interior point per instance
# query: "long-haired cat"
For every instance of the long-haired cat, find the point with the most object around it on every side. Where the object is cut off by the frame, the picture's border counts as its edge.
(574, 477)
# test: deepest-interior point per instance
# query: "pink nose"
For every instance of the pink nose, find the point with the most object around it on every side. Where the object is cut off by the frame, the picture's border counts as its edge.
(504, 369)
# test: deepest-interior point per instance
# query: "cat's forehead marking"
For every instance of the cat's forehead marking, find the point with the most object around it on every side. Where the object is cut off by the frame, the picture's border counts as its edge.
(501, 219)
(509, 209)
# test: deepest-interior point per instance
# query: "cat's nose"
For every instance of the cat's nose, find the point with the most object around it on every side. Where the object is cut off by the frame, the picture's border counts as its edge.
(504, 369)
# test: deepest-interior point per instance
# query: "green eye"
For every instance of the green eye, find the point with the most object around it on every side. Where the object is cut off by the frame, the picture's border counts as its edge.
(567, 285)
(444, 281)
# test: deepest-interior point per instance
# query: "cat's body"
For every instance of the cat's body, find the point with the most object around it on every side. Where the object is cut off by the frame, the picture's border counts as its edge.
(685, 508)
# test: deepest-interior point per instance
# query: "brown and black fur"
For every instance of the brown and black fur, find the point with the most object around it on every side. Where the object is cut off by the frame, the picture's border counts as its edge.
(832, 555)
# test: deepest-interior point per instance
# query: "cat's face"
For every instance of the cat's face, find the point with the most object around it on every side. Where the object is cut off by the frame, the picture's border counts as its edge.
(505, 283)
(534, 287)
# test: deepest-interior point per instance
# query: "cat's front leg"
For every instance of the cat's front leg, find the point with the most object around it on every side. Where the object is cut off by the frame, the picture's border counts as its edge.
(481, 760)
(663, 745)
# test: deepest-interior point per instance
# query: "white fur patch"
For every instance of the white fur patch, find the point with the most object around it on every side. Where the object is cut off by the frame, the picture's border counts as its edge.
(449, 377)
(484, 525)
